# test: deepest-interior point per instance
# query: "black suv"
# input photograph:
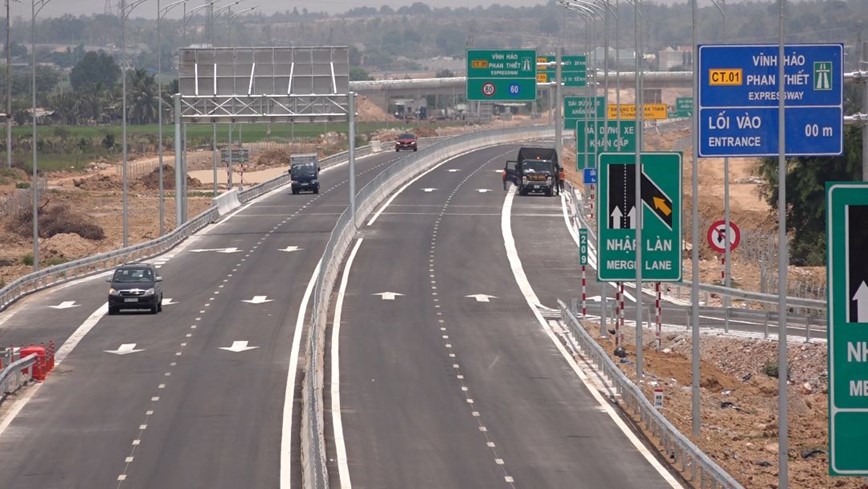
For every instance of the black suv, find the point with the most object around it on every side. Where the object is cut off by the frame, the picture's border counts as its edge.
(135, 286)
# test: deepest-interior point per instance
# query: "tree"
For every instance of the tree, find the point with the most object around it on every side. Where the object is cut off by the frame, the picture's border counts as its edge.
(357, 73)
(142, 97)
(806, 189)
(94, 69)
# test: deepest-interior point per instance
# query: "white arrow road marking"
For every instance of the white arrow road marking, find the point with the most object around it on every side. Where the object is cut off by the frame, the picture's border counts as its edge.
(167, 301)
(428, 190)
(616, 218)
(65, 305)
(238, 346)
(290, 249)
(483, 190)
(481, 297)
(257, 299)
(388, 296)
(861, 299)
(124, 349)
(453, 170)
(218, 250)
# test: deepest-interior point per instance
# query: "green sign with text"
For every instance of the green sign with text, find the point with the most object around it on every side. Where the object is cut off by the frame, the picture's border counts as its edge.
(576, 108)
(594, 138)
(505, 75)
(847, 333)
(618, 213)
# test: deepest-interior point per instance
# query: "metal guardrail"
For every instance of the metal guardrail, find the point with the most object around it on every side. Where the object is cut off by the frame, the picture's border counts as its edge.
(12, 377)
(314, 468)
(90, 265)
(694, 464)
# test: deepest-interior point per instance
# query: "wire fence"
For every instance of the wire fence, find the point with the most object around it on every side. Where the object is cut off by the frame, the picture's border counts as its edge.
(14, 203)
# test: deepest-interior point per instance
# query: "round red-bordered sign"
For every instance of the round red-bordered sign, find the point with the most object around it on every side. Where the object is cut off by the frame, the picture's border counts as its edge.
(717, 240)
(488, 89)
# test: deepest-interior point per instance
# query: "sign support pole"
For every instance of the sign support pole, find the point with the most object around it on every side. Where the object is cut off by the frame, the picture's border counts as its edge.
(179, 149)
(696, 421)
(559, 123)
(865, 111)
(783, 260)
(351, 116)
(640, 208)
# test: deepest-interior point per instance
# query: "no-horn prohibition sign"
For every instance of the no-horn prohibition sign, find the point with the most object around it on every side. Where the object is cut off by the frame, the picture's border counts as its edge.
(717, 240)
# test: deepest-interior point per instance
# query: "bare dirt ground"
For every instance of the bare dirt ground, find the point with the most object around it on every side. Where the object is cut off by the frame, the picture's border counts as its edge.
(739, 400)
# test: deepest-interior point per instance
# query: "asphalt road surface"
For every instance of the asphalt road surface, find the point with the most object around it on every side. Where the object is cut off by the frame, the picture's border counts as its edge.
(447, 376)
(200, 397)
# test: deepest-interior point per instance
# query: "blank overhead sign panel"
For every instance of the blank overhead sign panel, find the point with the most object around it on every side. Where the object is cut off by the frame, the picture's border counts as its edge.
(269, 84)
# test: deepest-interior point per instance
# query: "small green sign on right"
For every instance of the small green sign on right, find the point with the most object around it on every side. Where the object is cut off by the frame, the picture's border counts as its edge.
(683, 108)
(847, 333)
(618, 212)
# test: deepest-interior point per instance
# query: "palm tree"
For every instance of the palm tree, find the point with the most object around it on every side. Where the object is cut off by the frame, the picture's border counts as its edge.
(142, 94)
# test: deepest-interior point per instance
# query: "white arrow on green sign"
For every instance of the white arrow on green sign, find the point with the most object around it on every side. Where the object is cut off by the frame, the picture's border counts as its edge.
(617, 213)
(501, 75)
(574, 71)
(602, 136)
(847, 334)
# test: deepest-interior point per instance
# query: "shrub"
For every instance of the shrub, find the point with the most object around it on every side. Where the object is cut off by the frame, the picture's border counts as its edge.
(55, 220)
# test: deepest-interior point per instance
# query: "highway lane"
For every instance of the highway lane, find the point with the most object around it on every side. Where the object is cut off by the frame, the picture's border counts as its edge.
(456, 383)
(182, 412)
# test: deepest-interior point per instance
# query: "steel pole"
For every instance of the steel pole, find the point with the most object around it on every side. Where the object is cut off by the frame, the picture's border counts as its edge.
(124, 118)
(559, 139)
(8, 85)
(179, 151)
(34, 187)
(865, 111)
(160, 117)
(783, 261)
(639, 207)
(694, 251)
(351, 114)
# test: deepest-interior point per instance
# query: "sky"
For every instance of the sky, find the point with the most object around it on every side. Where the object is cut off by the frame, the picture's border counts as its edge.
(57, 8)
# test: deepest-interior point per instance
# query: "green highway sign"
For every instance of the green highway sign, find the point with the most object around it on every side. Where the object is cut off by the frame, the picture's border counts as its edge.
(575, 109)
(684, 103)
(574, 72)
(583, 246)
(679, 114)
(847, 332)
(661, 217)
(501, 75)
(602, 136)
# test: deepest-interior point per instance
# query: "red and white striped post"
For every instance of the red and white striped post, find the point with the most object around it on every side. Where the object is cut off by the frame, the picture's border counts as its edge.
(617, 317)
(584, 291)
(621, 313)
(659, 314)
(592, 201)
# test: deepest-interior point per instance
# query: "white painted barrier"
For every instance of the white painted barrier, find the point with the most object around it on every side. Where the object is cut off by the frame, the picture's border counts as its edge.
(227, 202)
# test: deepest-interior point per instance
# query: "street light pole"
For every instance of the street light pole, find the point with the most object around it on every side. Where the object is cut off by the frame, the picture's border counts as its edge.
(9, 84)
(36, 7)
(161, 12)
(231, 20)
(125, 13)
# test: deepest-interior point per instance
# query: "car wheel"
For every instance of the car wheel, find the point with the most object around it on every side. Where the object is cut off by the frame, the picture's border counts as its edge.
(397, 149)
(160, 305)
(112, 311)
(414, 150)
(155, 309)
(316, 191)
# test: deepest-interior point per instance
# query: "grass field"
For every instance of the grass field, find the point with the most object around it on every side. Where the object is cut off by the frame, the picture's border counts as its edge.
(59, 146)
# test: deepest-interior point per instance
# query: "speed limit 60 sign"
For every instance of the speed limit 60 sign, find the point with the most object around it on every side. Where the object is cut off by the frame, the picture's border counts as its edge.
(717, 236)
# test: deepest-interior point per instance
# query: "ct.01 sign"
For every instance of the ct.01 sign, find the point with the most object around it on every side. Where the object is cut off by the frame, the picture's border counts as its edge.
(738, 100)
(602, 136)
(501, 75)
(847, 333)
(617, 213)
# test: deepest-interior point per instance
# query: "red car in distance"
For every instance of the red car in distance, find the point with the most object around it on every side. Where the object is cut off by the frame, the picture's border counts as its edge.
(405, 141)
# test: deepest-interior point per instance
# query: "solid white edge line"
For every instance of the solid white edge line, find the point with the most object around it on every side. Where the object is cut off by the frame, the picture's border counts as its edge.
(337, 424)
(61, 354)
(289, 395)
(532, 299)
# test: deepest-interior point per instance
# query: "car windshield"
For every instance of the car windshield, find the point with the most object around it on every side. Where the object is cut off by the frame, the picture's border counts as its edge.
(131, 275)
(537, 165)
(305, 170)
(406, 136)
